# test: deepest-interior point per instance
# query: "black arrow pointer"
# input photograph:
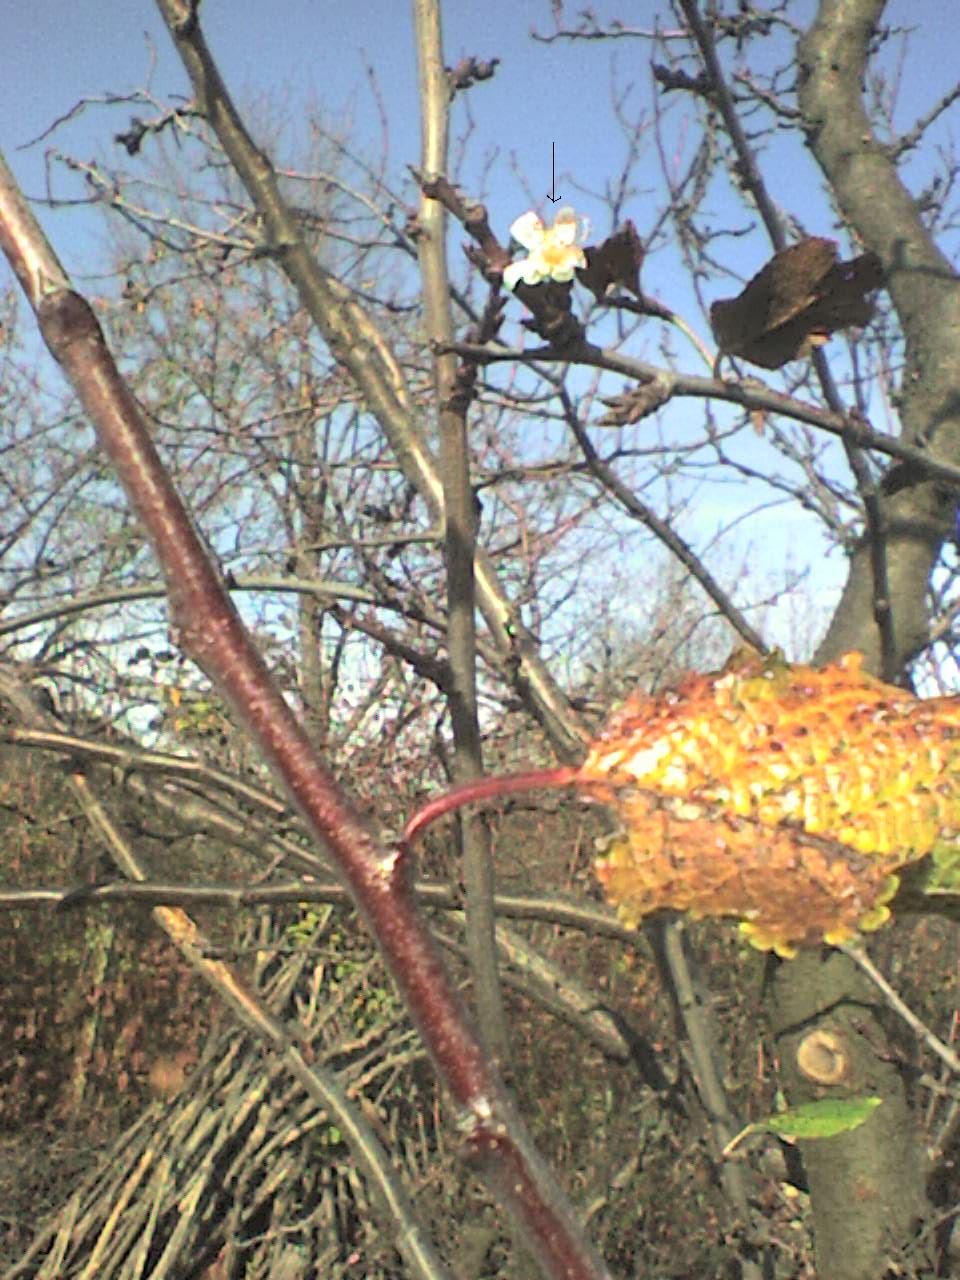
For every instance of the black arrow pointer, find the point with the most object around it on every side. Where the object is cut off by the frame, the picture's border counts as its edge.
(553, 173)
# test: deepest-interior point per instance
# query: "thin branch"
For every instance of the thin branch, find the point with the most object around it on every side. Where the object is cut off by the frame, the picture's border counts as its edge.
(907, 141)
(866, 484)
(750, 395)
(662, 530)
(356, 342)
(746, 161)
(705, 1049)
(920, 1029)
(589, 920)
(324, 588)
(454, 393)
(127, 756)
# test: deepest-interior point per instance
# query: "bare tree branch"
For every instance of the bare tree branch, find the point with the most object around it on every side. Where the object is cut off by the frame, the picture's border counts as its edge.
(460, 543)
(211, 632)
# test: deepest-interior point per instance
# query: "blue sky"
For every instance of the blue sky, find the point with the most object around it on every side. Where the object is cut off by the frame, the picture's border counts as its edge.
(318, 50)
(299, 52)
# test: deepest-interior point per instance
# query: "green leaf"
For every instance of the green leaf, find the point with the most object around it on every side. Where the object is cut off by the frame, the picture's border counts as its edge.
(943, 870)
(823, 1119)
(932, 885)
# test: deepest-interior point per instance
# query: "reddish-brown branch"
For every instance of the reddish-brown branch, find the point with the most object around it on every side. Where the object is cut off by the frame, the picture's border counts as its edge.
(210, 631)
(485, 789)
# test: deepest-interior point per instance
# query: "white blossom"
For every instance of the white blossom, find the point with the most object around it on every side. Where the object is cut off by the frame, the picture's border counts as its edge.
(553, 253)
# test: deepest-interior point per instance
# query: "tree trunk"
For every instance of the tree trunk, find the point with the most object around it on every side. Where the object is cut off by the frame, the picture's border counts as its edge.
(867, 1187)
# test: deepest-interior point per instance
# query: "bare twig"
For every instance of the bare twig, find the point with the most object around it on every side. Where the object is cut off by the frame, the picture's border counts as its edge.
(662, 530)
(751, 395)
(454, 394)
(899, 1006)
(907, 141)
(361, 348)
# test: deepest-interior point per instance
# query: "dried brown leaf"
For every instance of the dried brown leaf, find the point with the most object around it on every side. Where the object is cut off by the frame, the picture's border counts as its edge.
(800, 297)
(615, 262)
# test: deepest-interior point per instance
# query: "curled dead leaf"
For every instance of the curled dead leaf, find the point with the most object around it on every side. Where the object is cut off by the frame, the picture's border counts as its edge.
(801, 296)
(615, 262)
(811, 789)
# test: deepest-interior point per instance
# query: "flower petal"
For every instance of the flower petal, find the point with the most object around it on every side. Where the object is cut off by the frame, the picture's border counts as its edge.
(528, 230)
(565, 227)
(569, 228)
(562, 274)
(514, 273)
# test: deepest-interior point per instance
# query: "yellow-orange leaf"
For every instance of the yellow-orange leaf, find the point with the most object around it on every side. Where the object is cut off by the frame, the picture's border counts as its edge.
(784, 796)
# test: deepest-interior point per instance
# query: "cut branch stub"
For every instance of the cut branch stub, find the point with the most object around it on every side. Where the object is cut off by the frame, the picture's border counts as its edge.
(801, 296)
(823, 1058)
(470, 71)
